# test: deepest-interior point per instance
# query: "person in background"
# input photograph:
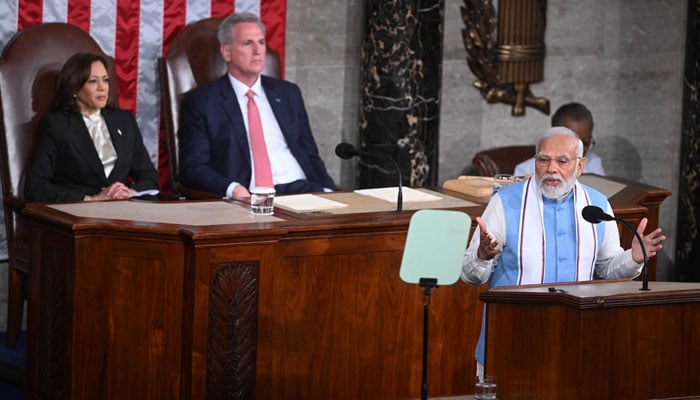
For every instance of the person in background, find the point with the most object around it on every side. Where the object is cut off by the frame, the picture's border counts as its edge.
(246, 130)
(579, 119)
(532, 231)
(87, 149)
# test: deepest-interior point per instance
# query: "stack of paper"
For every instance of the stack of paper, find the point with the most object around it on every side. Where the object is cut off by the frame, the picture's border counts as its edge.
(391, 194)
(307, 202)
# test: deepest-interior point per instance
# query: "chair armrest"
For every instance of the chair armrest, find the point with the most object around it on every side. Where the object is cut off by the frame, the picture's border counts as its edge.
(15, 202)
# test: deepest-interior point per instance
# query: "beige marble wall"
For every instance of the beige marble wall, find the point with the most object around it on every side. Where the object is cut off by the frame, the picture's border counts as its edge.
(623, 59)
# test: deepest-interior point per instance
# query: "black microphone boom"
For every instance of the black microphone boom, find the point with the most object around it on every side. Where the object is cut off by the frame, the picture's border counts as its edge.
(595, 215)
(347, 151)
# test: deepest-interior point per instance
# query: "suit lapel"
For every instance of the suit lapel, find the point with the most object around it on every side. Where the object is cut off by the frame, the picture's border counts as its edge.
(232, 109)
(279, 108)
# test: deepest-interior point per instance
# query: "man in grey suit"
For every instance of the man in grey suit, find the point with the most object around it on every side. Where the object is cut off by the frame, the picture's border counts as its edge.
(214, 139)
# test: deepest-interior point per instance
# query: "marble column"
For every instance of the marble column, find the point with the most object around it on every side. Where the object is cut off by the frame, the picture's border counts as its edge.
(400, 99)
(688, 235)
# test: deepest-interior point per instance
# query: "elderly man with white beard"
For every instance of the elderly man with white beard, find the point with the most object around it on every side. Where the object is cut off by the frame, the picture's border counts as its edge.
(532, 231)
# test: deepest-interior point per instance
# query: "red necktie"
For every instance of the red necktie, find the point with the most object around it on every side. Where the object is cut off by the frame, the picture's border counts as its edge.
(261, 160)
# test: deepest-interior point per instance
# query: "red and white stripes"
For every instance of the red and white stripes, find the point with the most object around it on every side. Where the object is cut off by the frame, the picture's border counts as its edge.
(136, 33)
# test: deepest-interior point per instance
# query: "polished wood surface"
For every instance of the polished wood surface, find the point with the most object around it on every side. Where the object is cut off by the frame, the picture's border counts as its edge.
(311, 308)
(601, 340)
(305, 307)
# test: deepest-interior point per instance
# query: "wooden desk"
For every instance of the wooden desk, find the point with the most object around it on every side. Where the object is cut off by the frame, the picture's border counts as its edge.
(308, 308)
(294, 307)
(596, 340)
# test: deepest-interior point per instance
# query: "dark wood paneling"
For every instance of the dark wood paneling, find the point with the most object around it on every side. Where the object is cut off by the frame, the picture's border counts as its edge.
(637, 346)
(109, 317)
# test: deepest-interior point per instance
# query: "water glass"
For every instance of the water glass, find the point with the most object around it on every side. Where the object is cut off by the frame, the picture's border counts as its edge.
(262, 201)
(485, 388)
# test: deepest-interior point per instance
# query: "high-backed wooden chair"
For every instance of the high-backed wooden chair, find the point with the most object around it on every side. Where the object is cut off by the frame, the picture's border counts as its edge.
(29, 68)
(502, 160)
(193, 59)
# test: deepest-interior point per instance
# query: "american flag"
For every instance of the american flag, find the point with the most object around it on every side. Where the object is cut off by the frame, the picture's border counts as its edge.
(136, 33)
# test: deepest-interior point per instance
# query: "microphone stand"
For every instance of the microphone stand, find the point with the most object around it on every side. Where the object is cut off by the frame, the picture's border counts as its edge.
(645, 268)
(399, 197)
(427, 284)
(347, 151)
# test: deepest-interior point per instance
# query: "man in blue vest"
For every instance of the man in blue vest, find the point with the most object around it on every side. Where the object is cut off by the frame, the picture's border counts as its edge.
(532, 231)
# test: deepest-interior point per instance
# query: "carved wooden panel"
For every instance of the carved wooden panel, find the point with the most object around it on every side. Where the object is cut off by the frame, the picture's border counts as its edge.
(52, 337)
(232, 331)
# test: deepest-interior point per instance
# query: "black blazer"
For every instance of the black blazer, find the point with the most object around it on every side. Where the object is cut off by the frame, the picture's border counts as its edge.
(65, 165)
(213, 145)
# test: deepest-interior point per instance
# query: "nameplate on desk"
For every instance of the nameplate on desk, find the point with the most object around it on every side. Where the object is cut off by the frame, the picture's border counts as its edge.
(180, 212)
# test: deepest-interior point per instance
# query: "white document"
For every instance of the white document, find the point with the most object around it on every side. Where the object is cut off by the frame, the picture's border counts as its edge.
(307, 202)
(390, 194)
(150, 192)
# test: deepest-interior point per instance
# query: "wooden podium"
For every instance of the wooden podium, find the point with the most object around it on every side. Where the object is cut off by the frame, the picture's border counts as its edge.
(595, 340)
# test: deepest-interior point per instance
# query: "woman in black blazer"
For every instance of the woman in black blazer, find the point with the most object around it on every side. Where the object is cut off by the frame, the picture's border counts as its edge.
(87, 149)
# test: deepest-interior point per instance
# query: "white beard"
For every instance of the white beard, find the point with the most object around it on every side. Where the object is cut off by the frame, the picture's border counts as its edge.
(559, 191)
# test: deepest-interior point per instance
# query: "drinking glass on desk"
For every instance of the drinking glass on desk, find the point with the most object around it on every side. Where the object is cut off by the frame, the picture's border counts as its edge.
(485, 388)
(262, 201)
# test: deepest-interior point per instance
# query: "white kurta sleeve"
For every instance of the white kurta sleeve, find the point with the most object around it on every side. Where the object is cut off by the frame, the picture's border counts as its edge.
(475, 270)
(613, 262)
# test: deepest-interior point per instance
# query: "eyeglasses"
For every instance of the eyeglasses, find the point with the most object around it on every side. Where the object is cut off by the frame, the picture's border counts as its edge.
(562, 162)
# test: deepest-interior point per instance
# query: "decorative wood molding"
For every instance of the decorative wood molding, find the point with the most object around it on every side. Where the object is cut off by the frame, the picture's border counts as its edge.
(52, 339)
(506, 52)
(232, 332)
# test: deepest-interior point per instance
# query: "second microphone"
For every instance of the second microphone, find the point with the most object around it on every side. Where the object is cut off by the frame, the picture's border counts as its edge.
(347, 151)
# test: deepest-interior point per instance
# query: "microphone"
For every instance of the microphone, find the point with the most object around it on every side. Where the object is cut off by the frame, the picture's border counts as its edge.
(347, 151)
(595, 215)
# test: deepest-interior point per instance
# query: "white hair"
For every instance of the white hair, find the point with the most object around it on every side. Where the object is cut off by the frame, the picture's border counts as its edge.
(560, 131)
(225, 31)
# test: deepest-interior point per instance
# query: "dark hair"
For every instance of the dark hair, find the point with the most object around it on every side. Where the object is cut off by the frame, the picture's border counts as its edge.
(575, 111)
(73, 75)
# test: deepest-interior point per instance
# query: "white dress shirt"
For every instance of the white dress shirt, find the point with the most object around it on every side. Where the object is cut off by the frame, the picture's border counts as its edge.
(99, 133)
(285, 167)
